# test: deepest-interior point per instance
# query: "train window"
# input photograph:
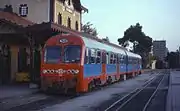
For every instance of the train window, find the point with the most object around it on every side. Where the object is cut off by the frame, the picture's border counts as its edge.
(132, 61)
(99, 53)
(115, 59)
(107, 58)
(98, 58)
(129, 60)
(92, 57)
(72, 54)
(135, 61)
(52, 54)
(125, 60)
(86, 60)
(122, 59)
(111, 58)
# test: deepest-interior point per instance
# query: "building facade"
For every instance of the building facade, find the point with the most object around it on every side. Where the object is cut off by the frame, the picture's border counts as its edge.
(63, 12)
(159, 49)
(44, 17)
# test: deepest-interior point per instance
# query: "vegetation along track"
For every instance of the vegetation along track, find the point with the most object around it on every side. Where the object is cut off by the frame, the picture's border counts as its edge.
(140, 99)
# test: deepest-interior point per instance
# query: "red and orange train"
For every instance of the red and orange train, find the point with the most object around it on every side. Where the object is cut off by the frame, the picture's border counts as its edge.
(79, 63)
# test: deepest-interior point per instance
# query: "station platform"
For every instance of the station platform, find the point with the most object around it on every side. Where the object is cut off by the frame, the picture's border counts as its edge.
(10, 91)
(173, 97)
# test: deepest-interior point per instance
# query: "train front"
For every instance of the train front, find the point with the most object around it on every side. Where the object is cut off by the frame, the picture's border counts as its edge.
(61, 65)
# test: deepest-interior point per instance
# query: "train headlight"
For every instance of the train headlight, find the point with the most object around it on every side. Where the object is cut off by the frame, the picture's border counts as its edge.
(44, 71)
(60, 71)
(48, 71)
(75, 71)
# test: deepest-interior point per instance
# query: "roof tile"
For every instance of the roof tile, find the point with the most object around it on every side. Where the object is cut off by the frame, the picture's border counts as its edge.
(13, 18)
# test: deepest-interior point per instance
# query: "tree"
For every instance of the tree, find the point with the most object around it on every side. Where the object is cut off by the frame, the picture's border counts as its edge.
(141, 42)
(87, 28)
(106, 39)
(173, 59)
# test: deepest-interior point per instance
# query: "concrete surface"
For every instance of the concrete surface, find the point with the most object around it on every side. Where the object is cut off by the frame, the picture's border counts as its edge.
(15, 90)
(16, 95)
(94, 99)
(173, 98)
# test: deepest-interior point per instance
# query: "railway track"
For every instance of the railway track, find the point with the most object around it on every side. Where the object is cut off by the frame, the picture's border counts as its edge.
(139, 99)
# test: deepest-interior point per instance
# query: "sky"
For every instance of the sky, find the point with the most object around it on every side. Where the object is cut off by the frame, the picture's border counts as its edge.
(160, 18)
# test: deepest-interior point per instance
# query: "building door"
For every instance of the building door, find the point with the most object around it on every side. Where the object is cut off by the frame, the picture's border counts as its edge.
(37, 64)
(5, 64)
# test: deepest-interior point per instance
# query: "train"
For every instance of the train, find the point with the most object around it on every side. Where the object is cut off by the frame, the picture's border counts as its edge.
(80, 63)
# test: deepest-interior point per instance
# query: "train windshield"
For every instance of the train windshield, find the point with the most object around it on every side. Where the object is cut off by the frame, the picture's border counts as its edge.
(72, 54)
(53, 54)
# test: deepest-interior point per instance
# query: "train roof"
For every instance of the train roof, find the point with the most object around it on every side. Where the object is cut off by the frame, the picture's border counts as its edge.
(93, 42)
(130, 54)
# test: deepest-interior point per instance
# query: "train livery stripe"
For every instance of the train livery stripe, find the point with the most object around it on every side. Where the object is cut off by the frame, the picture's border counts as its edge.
(111, 68)
(122, 68)
(92, 70)
(130, 67)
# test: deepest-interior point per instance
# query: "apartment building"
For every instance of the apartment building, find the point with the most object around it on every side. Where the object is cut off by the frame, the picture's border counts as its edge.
(159, 49)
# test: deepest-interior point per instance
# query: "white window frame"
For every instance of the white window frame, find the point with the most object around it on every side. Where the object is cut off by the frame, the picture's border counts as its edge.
(23, 10)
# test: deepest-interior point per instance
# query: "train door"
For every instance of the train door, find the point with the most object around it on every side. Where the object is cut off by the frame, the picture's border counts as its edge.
(104, 65)
(117, 66)
(127, 63)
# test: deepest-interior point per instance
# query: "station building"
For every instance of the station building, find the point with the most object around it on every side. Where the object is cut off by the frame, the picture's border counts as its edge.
(25, 25)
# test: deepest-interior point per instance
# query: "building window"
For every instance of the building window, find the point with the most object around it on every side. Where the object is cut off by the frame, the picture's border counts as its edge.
(77, 27)
(69, 22)
(23, 10)
(69, 2)
(60, 19)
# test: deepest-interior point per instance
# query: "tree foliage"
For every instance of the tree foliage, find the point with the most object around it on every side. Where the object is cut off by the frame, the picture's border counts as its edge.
(141, 42)
(134, 34)
(87, 28)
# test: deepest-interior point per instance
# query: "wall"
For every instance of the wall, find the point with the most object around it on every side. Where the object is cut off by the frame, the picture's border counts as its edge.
(6, 29)
(14, 61)
(75, 16)
(38, 10)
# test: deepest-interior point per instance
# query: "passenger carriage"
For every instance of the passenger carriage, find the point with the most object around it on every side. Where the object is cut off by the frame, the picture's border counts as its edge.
(79, 63)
